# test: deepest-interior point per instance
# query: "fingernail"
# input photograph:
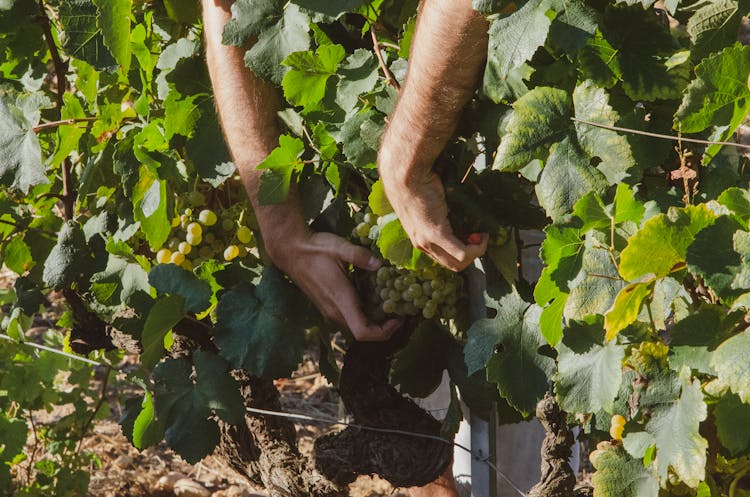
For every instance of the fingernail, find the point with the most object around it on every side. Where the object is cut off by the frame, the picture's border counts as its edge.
(374, 263)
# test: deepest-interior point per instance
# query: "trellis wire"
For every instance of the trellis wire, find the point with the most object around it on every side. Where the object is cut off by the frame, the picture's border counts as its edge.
(302, 417)
(659, 135)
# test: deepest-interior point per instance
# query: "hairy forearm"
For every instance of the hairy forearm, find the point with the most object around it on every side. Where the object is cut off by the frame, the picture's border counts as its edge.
(448, 53)
(247, 108)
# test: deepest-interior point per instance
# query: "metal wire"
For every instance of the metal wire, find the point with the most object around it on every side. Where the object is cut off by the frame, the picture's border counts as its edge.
(54, 351)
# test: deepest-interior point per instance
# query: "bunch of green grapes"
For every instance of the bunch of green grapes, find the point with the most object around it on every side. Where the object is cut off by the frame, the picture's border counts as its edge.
(432, 292)
(199, 234)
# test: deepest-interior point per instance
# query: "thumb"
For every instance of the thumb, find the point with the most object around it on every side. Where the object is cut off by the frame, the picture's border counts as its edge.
(357, 255)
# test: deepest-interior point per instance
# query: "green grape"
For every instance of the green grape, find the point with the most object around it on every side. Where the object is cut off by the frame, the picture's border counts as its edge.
(429, 312)
(207, 217)
(196, 199)
(437, 284)
(385, 294)
(194, 229)
(188, 212)
(244, 235)
(164, 256)
(394, 294)
(185, 248)
(362, 230)
(209, 238)
(193, 239)
(415, 289)
(370, 218)
(177, 258)
(227, 225)
(389, 306)
(231, 252)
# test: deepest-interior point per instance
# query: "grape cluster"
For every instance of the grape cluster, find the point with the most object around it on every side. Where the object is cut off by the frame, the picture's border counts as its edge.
(198, 234)
(432, 292)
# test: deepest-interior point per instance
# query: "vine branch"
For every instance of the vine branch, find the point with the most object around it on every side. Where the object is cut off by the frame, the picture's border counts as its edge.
(390, 80)
(63, 122)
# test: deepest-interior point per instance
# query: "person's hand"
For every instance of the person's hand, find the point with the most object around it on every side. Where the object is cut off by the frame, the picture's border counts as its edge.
(421, 207)
(317, 263)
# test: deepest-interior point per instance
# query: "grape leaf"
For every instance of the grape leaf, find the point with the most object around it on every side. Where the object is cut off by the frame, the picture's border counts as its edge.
(171, 279)
(592, 104)
(737, 200)
(539, 118)
(675, 427)
(184, 11)
(150, 208)
(627, 306)
(181, 115)
(262, 329)
(573, 27)
(17, 256)
(418, 367)
(627, 207)
(114, 23)
(714, 26)
(358, 74)
(719, 95)
(515, 38)
(396, 246)
(207, 148)
(69, 258)
(551, 320)
(84, 39)
(562, 253)
(695, 338)
(330, 8)
(712, 256)
(163, 316)
(660, 246)
(619, 475)
(508, 346)
(596, 286)
(187, 407)
(14, 432)
(277, 42)
(20, 153)
(249, 18)
(566, 178)
(591, 210)
(280, 166)
(733, 424)
(589, 369)
(305, 83)
(378, 201)
(125, 273)
(732, 368)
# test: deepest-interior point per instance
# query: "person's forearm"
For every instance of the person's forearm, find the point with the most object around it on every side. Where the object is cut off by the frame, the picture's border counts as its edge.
(448, 53)
(247, 109)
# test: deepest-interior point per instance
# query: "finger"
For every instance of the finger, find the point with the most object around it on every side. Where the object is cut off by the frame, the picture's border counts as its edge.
(356, 254)
(462, 255)
(362, 329)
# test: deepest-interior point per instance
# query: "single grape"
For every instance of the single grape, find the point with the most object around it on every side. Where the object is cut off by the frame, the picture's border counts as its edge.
(207, 217)
(196, 199)
(363, 230)
(186, 264)
(177, 258)
(185, 248)
(227, 225)
(194, 229)
(163, 256)
(231, 252)
(389, 306)
(384, 294)
(394, 294)
(188, 212)
(428, 312)
(244, 235)
(415, 289)
(209, 238)
(193, 239)
(370, 219)
(429, 273)
(437, 284)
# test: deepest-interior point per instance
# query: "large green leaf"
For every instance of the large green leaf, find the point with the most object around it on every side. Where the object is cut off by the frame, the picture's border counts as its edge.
(150, 207)
(712, 256)
(83, 36)
(20, 153)
(508, 345)
(514, 39)
(275, 43)
(305, 83)
(330, 8)
(124, 275)
(262, 329)
(249, 18)
(591, 104)
(731, 365)
(719, 95)
(589, 369)
(358, 74)
(188, 407)
(733, 424)
(626, 307)
(114, 23)
(163, 316)
(675, 427)
(279, 168)
(567, 176)
(660, 246)
(573, 27)
(171, 279)
(69, 259)
(620, 475)
(540, 118)
(562, 254)
(596, 286)
(714, 26)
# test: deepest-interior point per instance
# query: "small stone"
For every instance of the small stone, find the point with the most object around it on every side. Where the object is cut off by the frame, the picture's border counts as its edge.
(166, 483)
(124, 461)
(189, 488)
